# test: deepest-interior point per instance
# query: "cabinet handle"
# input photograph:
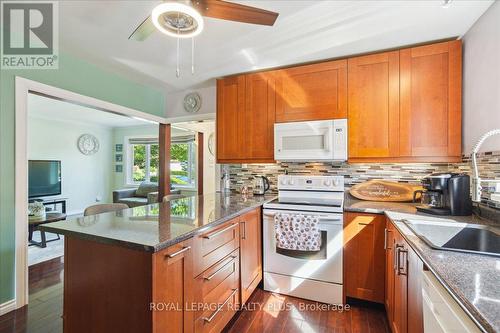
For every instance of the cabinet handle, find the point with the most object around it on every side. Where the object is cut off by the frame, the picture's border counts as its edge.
(386, 237)
(363, 223)
(211, 276)
(217, 233)
(244, 233)
(184, 249)
(219, 308)
(405, 267)
(395, 255)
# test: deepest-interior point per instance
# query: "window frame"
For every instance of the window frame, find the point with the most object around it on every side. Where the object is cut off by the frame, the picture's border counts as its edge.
(129, 163)
(191, 167)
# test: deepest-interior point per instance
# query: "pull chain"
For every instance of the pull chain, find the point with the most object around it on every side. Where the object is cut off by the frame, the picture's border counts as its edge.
(192, 56)
(177, 70)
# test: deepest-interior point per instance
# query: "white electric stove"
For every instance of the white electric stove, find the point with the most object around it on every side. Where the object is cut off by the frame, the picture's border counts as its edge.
(314, 275)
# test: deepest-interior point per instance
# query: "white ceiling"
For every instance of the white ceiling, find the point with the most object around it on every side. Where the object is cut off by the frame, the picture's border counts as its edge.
(52, 109)
(305, 31)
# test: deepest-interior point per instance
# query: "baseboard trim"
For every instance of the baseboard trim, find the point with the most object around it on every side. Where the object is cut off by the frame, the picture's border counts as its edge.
(7, 307)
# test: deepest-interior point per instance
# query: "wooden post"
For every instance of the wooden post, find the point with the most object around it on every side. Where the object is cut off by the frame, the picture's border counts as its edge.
(200, 162)
(165, 142)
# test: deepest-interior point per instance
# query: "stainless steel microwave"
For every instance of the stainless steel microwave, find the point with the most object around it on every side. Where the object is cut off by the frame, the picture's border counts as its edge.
(313, 141)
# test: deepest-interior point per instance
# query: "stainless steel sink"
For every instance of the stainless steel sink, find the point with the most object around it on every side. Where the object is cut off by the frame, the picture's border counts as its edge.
(454, 236)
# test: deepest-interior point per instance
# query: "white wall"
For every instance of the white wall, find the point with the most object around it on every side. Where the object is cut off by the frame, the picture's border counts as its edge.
(175, 107)
(85, 179)
(481, 80)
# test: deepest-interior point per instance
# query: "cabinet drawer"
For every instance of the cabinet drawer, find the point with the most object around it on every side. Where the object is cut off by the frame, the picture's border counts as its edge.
(220, 294)
(227, 268)
(215, 244)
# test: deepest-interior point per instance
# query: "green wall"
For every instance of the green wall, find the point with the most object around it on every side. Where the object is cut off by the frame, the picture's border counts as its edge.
(75, 75)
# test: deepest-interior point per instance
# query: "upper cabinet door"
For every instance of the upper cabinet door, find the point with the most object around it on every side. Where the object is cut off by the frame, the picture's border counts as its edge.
(373, 109)
(312, 92)
(431, 82)
(230, 113)
(258, 124)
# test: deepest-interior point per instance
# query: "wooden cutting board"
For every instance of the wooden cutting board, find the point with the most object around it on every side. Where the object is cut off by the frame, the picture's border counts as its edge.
(384, 190)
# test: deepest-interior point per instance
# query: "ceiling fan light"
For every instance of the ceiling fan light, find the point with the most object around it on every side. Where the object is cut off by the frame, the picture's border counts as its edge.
(163, 10)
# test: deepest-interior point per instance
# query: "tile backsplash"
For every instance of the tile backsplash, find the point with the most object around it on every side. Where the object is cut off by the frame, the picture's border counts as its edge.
(243, 174)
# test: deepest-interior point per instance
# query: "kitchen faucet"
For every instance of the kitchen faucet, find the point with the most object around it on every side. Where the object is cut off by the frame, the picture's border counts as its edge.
(476, 180)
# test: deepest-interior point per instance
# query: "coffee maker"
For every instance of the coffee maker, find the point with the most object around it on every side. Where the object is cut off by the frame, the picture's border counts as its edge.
(445, 194)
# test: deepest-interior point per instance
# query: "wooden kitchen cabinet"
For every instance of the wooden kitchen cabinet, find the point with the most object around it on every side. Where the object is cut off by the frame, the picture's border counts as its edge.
(230, 116)
(245, 118)
(173, 286)
(403, 299)
(312, 92)
(373, 107)
(399, 322)
(364, 257)
(258, 124)
(401, 106)
(430, 105)
(215, 244)
(389, 269)
(250, 252)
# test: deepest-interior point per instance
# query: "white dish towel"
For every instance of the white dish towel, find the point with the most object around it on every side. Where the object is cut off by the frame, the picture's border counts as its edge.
(297, 232)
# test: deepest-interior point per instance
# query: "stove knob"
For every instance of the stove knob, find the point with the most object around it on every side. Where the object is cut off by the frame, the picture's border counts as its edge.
(327, 182)
(336, 182)
(283, 181)
(291, 182)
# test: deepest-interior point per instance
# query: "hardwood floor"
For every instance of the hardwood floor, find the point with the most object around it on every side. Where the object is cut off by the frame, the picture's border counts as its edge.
(265, 312)
(272, 313)
(43, 314)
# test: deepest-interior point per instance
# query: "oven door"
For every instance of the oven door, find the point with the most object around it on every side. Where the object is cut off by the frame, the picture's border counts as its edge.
(324, 140)
(324, 265)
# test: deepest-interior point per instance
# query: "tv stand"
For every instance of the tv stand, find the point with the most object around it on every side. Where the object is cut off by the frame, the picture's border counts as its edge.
(52, 202)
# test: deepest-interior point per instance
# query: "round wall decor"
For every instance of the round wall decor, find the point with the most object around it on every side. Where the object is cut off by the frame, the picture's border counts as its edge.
(88, 144)
(211, 143)
(192, 102)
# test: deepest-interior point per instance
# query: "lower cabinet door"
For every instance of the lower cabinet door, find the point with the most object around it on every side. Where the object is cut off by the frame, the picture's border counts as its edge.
(364, 256)
(173, 291)
(250, 252)
(389, 243)
(399, 322)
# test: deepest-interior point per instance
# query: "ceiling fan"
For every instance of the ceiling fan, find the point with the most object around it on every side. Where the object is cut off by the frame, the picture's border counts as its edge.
(183, 19)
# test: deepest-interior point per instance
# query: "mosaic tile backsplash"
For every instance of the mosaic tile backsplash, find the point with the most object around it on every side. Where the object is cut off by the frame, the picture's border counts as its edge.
(488, 163)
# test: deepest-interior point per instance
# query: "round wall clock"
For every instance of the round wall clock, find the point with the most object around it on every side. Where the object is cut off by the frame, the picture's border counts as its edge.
(192, 102)
(88, 144)
(211, 143)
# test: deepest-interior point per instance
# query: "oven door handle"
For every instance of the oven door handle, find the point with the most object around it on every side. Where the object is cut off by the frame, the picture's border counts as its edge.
(331, 219)
(322, 218)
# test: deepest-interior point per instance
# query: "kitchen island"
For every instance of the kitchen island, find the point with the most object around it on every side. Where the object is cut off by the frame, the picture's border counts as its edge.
(181, 266)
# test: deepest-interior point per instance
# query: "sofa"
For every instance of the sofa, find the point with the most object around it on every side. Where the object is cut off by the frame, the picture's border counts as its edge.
(145, 194)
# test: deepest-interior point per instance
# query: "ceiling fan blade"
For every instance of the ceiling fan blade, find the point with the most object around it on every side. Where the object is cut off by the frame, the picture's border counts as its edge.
(235, 12)
(143, 31)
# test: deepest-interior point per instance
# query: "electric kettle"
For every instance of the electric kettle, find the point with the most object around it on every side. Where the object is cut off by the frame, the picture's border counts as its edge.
(260, 185)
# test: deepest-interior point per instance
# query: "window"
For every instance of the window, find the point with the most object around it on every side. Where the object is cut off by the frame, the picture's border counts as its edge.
(183, 164)
(144, 160)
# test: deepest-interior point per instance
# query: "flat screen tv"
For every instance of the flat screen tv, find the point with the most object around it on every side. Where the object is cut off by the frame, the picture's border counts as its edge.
(44, 178)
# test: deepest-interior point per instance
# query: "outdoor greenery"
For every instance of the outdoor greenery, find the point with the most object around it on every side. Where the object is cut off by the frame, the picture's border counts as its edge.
(179, 153)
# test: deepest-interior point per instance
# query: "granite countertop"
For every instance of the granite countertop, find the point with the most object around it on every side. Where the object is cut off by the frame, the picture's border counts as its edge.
(472, 279)
(155, 227)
